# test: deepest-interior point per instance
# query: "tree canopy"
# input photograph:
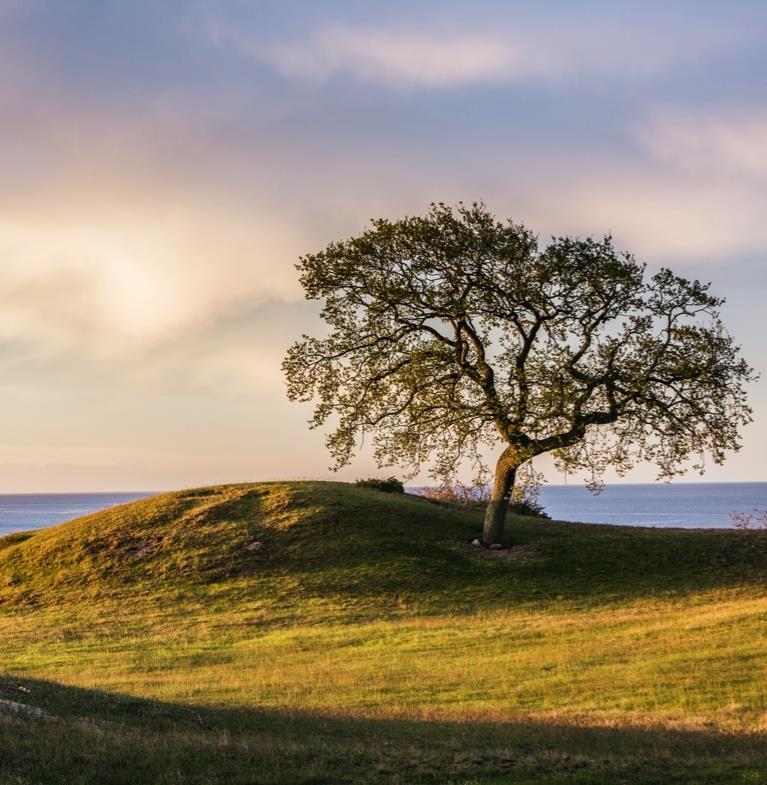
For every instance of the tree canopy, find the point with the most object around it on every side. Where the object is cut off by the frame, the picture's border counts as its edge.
(452, 332)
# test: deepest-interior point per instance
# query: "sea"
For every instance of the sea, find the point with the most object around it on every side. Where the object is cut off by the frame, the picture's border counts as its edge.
(673, 505)
(24, 511)
(693, 505)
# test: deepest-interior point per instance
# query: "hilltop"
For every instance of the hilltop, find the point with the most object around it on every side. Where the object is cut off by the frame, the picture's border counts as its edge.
(277, 624)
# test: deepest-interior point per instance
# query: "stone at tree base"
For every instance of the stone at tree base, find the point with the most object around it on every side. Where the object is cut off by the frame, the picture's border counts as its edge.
(496, 546)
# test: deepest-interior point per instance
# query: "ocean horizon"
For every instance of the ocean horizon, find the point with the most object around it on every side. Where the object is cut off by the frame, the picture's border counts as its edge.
(687, 505)
(26, 511)
(674, 505)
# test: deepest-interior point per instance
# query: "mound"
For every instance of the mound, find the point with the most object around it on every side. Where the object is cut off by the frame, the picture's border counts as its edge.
(321, 533)
(354, 548)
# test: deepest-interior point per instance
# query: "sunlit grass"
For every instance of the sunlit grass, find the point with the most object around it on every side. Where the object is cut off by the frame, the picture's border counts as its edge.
(698, 663)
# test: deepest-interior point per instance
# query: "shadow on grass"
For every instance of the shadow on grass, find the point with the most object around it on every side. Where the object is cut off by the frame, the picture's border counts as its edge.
(87, 736)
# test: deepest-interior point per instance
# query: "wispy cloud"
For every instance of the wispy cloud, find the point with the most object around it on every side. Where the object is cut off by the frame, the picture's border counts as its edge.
(404, 58)
(513, 49)
(731, 141)
(692, 191)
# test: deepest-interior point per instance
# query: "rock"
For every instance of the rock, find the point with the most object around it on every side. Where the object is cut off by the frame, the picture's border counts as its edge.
(23, 709)
(496, 546)
(254, 546)
(476, 543)
(144, 549)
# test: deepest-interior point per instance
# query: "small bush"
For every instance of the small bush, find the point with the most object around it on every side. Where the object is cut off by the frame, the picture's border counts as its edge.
(389, 485)
(530, 508)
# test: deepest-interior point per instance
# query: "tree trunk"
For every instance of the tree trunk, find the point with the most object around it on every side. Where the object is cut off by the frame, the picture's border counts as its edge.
(503, 484)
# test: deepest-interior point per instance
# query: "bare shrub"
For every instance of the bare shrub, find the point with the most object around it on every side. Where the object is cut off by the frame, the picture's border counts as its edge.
(479, 495)
(756, 519)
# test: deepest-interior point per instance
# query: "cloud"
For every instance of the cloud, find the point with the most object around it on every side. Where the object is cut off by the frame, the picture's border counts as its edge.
(135, 252)
(124, 229)
(691, 191)
(404, 58)
(700, 191)
(731, 142)
(113, 284)
(510, 49)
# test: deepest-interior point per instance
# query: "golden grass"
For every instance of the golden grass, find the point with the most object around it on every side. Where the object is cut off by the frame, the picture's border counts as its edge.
(687, 664)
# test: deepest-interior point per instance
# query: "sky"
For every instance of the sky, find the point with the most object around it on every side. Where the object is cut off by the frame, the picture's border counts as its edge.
(165, 164)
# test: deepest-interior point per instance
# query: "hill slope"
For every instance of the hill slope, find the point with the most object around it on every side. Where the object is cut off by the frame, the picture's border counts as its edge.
(242, 605)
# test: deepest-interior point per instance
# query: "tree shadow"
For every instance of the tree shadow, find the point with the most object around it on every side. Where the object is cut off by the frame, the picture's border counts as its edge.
(73, 735)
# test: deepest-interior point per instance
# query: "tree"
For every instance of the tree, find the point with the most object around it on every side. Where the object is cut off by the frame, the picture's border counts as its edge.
(453, 331)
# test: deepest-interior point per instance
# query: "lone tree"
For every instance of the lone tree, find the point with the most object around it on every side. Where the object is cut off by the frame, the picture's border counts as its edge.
(453, 331)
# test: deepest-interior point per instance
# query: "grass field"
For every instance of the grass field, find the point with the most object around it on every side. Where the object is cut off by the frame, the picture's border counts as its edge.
(365, 641)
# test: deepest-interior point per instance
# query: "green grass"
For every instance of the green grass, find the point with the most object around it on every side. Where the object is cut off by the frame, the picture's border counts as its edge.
(366, 641)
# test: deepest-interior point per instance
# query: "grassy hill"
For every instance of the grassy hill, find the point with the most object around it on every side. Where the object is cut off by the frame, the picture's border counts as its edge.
(322, 633)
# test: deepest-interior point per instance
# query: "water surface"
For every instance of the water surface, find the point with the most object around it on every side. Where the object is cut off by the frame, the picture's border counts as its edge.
(686, 505)
(23, 511)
